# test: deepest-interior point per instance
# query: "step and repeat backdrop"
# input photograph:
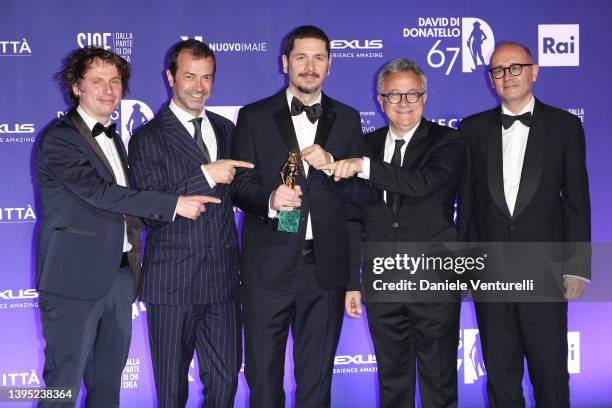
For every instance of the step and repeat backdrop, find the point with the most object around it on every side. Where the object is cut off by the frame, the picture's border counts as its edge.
(452, 40)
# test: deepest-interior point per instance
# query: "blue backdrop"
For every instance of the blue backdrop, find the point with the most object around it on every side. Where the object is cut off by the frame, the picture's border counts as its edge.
(568, 40)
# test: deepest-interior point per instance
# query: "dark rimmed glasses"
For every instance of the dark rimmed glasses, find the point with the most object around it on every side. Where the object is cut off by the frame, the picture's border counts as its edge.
(514, 70)
(396, 97)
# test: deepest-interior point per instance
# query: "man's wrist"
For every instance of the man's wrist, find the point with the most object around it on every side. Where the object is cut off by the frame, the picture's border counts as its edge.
(365, 168)
(272, 213)
(210, 180)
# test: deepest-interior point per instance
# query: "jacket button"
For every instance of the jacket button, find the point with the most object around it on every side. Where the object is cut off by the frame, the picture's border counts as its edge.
(512, 228)
(303, 219)
(395, 225)
(210, 248)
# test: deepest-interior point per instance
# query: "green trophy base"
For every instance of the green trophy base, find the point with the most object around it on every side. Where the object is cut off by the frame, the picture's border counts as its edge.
(289, 221)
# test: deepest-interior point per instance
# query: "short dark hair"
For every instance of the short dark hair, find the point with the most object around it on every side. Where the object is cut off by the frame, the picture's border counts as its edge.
(516, 44)
(197, 48)
(76, 64)
(302, 32)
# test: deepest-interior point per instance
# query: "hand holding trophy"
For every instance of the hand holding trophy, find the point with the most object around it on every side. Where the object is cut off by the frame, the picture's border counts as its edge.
(289, 221)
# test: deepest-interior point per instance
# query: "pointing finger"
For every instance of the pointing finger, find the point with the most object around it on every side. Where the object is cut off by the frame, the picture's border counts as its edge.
(240, 163)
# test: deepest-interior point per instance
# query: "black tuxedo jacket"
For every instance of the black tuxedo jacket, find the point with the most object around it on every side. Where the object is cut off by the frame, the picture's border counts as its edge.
(80, 236)
(427, 181)
(264, 136)
(553, 198)
(186, 262)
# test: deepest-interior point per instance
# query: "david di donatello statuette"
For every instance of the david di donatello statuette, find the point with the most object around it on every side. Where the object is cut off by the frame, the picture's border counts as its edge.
(289, 221)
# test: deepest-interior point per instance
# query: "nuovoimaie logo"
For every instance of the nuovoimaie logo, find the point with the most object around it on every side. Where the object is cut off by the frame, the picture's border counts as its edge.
(559, 45)
(233, 46)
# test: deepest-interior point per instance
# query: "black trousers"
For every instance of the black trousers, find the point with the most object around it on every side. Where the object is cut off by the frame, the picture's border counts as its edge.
(404, 333)
(314, 315)
(511, 332)
(89, 340)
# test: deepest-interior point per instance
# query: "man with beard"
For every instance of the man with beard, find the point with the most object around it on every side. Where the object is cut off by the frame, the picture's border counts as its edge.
(294, 279)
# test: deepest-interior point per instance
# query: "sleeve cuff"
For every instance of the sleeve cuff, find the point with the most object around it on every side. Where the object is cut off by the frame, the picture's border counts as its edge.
(211, 182)
(271, 212)
(365, 167)
(330, 172)
(582, 278)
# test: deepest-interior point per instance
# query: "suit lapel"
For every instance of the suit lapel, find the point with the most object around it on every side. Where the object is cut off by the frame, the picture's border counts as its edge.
(378, 143)
(532, 163)
(326, 121)
(417, 146)
(122, 157)
(84, 131)
(180, 139)
(495, 162)
(415, 150)
(284, 124)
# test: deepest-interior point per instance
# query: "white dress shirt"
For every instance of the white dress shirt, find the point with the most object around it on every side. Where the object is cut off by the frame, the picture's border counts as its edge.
(388, 152)
(514, 143)
(208, 134)
(112, 155)
(305, 132)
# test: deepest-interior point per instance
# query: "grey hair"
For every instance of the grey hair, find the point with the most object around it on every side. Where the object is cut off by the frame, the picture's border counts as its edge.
(399, 65)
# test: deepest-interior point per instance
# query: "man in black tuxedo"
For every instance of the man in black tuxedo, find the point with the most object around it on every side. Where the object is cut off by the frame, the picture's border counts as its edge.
(88, 248)
(412, 167)
(190, 268)
(294, 279)
(526, 182)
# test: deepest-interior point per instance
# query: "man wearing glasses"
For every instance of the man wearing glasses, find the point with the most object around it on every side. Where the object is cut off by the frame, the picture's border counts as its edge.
(413, 166)
(526, 182)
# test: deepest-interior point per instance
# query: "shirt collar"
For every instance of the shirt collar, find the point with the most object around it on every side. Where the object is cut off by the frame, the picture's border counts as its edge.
(290, 97)
(527, 108)
(392, 137)
(183, 116)
(89, 121)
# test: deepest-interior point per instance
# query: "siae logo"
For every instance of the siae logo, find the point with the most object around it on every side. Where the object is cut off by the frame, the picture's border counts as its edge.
(10, 294)
(17, 128)
(558, 45)
(356, 44)
(102, 40)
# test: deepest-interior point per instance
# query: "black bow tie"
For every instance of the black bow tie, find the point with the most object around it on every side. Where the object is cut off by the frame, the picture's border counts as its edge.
(508, 120)
(313, 112)
(100, 128)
